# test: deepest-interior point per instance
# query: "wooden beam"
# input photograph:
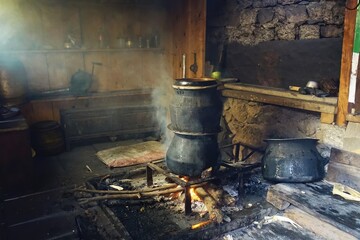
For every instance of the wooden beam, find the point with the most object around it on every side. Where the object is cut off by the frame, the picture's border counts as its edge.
(279, 92)
(347, 49)
(345, 157)
(353, 118)
(281, 101)
(327, 118)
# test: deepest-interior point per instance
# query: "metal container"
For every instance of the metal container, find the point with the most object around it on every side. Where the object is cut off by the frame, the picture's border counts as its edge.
(293, 160)
(13, 87)
(189, 155)
(196, 106)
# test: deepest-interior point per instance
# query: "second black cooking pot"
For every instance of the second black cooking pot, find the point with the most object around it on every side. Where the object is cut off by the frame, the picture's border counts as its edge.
(293, 160)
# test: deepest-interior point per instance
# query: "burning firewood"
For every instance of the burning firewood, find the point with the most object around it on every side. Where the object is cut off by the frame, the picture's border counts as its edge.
(215, 213)
(221, 196)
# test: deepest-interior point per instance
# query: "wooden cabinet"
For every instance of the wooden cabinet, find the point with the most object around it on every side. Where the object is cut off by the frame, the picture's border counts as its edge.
(16, 164)
(115, 122)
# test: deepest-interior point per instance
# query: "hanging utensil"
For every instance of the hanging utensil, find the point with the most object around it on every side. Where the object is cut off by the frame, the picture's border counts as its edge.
(194, 66)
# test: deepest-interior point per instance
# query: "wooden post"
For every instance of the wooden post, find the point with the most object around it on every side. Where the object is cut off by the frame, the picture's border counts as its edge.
(347, 49)
(149, 176)
(187, 201)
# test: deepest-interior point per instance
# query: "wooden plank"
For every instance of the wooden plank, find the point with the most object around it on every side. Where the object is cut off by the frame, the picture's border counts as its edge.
(353, 118)
(327, 118)
(42, 111)
(276, 201)
(317, 200)
(315, 225)
(348, 40)
(61, 66)
(344, 174)
(344, 157)
(279, 92)
(92, 18)
(189, 20)
(30, 36)
(281, 101)
(119, 71)
(71, 23)
(36, 71)
(351, 140)
(52, 26)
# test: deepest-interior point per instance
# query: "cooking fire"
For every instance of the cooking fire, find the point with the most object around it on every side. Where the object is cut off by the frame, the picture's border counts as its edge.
(153, 202)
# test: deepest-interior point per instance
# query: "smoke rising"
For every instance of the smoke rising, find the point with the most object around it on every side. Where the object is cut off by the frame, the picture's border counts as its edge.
(161, 98)
(10, 21)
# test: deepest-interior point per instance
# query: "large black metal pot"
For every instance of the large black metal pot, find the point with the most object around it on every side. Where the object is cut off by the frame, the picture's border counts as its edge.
(196, 106)
(293, 160)
(190, 155)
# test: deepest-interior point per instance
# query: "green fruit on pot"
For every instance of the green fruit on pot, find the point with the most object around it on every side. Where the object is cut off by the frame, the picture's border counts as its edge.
(216, 75)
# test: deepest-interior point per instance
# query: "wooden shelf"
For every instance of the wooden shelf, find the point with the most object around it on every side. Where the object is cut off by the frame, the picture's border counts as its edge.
(85, 50)
(68, 96)
(326, 106)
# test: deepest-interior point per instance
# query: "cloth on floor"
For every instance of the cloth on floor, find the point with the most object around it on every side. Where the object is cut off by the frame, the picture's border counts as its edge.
(132, 154)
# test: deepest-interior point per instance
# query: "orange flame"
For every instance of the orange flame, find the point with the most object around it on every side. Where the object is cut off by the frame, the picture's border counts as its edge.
(201, 224)
(194, 196)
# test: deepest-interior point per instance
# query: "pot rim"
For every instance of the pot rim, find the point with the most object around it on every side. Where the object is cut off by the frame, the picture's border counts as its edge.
(289, 139)
(171, 128)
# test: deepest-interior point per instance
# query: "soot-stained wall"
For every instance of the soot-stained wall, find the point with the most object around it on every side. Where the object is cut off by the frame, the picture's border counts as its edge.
(276, 42)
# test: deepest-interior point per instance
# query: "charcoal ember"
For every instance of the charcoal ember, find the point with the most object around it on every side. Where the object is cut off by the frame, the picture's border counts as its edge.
(255, 185)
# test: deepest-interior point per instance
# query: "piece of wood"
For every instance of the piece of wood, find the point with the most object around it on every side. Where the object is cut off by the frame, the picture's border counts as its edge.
(327, 118)
(215, 193)
(344, 157)
(353, 118)
(277, 202)
(344, 174)
(279, 93)
(214, 212)
(167, 186)
(36, 71)
(61, 67)
(130, 195)
(42, 111)
(281, 101)
(351, 140)
(317, 200)
(346, 59)
(52, 26)
(315, 225)
(189, 20)
(220, 196)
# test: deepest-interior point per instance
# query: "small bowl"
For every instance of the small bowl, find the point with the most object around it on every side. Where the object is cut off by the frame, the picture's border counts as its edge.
(312, 84)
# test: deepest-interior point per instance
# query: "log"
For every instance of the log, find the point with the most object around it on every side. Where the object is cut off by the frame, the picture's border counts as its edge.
(215, 213)
(221, 196)
(215, 193)
(131, 195)
(314, 224)
(167, 186)
(276, 201)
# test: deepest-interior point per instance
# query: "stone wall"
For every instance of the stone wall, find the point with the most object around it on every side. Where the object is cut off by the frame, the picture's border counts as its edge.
(250, 22)
(251, 123)
(276, 43)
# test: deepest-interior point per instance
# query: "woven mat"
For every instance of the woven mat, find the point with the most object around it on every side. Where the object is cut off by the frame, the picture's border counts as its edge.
(132, 154)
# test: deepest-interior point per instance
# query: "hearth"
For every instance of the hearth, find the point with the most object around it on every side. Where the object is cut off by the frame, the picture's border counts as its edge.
(157, 204)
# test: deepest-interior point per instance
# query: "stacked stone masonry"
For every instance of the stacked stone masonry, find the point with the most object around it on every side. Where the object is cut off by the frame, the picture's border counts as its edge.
(250, 22)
